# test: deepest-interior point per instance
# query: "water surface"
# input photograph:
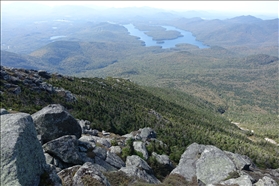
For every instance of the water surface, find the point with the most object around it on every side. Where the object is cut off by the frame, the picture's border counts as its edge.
(187, 37)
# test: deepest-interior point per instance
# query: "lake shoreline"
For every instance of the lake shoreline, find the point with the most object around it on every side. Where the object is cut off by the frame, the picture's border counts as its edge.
(165, 39)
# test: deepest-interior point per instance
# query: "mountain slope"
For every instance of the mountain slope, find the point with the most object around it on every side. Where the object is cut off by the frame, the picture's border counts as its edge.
(120, 106)
(239, 31)
(21, 61)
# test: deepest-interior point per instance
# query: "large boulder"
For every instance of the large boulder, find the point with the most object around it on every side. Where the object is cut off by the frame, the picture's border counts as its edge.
(68, 149)
(22, 157)
(53, 121)
(187, 162)
(210, 165)
(214, 165)
(88, 174)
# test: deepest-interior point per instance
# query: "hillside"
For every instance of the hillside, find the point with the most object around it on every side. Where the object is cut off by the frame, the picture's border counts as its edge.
(58, 149)
(121, 106)
(239, 31)
(238, 79)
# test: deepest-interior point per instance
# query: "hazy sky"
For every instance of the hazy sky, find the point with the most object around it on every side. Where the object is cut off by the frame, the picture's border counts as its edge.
(259, 7)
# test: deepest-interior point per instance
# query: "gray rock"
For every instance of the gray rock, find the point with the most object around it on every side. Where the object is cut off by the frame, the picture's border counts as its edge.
(53, 178)
(49, 159)
(133, 171)
(85, 146)
(115, 149)
(213, 166)
(274, 172)
(3, 111)
(46, 86)
(137, 137)
(22, 157)
(67, 174)
(243, 173)
(100, 152)
(163, 159)
(128, 135)
(17, 90)
(114, 160)
(64, 93)
(266, 181)
(54, 121)
(187, 162)
(66, 148)
(59, 164)
(44, 74)
(103, 169)
(105, 166)
(88, 139)
(140, 147)
(239, 161)
(243, 181)
(83, 124)
(103, 141)
(105, 133)
(91, 132)
(138, 162)
(147, 133)
(90, 171)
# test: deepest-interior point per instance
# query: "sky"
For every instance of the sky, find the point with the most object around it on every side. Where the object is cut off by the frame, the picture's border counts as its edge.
(258, 7)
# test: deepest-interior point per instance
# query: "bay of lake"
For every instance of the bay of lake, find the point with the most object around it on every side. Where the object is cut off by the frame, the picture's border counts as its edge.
(187, 37)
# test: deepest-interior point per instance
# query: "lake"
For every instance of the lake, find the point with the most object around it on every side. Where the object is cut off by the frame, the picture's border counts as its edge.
(186, 38)
(56, 37)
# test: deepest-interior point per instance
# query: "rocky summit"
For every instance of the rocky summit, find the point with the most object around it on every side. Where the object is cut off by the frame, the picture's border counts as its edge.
(51, 147)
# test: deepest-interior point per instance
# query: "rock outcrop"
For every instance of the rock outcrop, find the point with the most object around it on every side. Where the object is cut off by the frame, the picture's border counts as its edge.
(77, 157)
(34, 79)
(210, 166)
(22, 158)
(213, 166)
(53, 122)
